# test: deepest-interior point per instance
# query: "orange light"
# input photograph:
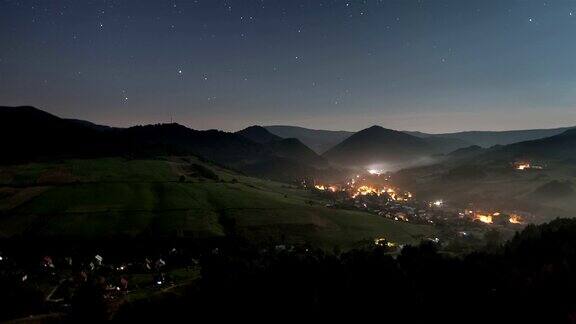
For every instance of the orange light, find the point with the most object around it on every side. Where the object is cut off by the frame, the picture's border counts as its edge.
(523, 166)
(515, 219)
(484, 218)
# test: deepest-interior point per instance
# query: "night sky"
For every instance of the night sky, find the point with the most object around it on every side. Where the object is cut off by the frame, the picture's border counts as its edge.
(429, 65)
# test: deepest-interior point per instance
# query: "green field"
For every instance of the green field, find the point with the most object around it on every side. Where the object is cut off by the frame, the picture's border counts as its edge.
(101, 198)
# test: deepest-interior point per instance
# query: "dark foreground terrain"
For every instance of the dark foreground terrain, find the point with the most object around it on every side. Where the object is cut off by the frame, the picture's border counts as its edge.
(530, 278)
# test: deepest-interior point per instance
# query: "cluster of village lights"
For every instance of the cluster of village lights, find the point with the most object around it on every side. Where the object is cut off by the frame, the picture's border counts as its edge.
(355, 188)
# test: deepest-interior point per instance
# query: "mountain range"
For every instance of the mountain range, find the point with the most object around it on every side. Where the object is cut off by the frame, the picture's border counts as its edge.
(32, 134)
(491, 138)
(323, 140)
(284, 151)
(558, 147)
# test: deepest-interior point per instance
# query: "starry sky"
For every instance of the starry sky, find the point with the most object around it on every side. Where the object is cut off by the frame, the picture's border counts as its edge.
(428, 65)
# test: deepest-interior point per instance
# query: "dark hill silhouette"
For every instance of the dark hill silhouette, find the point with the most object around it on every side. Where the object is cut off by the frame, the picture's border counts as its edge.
(323, 140)
(258, 134)
(491, 138)
(291, 158)
(376, 145)
(162, 139)
(92, 125)
(29, 133)
(560, 146)
(319, 141)
(293, 148)
(444, 145)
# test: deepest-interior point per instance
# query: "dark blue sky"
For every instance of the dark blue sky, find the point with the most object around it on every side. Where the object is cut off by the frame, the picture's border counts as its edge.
(430, 65)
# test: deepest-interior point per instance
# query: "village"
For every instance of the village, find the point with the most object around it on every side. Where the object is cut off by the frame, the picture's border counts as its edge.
(373, 191)
(56, 280)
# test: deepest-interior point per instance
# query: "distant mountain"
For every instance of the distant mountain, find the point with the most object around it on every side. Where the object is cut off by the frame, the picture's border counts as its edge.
(444, 145)
(258, 134)
(319, 141)
(323, 140)
(561, 146)
(491, 138)
(293, 148)
(378, 145)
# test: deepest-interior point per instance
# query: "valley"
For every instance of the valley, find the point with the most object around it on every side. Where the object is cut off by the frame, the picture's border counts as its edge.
(148, 209)
(400, 161)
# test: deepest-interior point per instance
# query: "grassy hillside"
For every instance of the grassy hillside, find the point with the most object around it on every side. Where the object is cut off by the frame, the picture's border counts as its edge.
(175, 197)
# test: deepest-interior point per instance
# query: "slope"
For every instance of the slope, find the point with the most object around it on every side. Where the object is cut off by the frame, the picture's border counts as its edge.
(95, 199)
